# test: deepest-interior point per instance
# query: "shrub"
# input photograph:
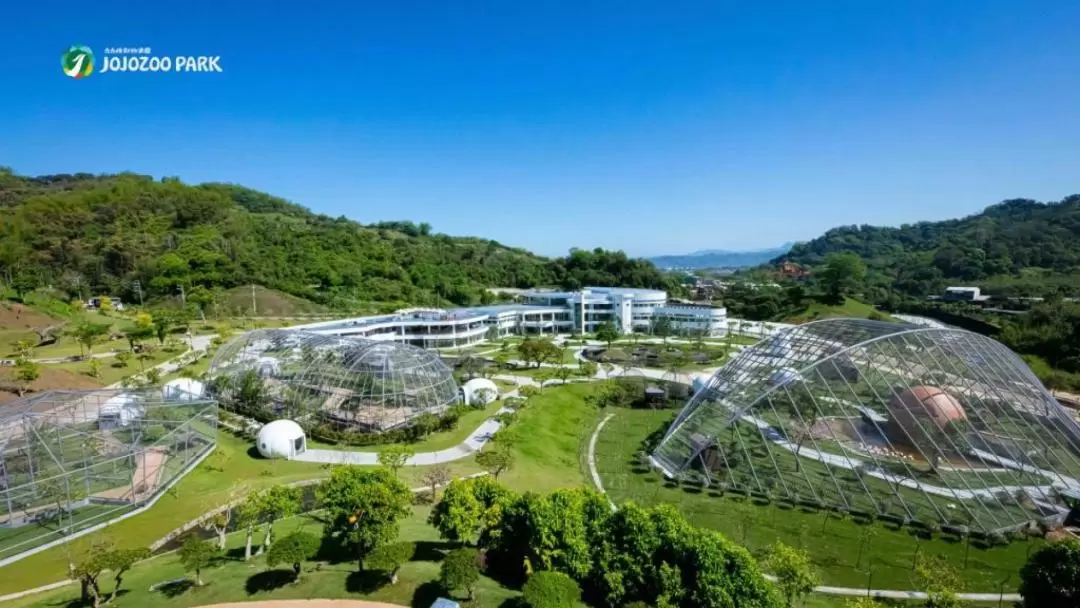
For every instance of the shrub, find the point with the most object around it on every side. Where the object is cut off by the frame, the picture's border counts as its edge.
(549, 589)
(460, 571)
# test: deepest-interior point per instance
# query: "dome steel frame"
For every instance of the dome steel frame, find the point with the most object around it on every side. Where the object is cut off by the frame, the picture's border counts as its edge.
(350, 383)
(830, 437)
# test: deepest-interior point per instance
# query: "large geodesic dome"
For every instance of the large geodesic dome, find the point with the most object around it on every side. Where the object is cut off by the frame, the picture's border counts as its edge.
(352, 383)
(931, 425)
(71, 460)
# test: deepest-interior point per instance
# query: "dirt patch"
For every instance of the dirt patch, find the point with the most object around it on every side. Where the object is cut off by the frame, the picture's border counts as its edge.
(15, 316)
(50, 379)
(306, 604)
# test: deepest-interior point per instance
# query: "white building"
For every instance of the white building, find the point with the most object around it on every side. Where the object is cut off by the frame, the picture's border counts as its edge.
(281, 439)
(542, 312)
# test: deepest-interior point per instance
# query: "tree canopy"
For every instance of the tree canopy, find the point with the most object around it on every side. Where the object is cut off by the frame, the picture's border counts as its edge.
(108, 232)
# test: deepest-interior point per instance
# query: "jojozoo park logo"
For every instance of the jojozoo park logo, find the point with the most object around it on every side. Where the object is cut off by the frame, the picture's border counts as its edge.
(78, 62)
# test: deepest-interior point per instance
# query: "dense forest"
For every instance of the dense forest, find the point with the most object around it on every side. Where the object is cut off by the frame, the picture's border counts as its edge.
(1017, 247)
(113, 234)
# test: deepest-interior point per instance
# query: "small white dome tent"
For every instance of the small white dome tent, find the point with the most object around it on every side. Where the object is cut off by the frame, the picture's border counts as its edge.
(281, 439)
(119, 411)
(785, 376)
(183, 389)
(479, 391)
(267, 366)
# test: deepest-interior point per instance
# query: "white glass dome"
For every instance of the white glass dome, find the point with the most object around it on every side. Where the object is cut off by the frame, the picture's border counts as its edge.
(183, 389)
(479, 391)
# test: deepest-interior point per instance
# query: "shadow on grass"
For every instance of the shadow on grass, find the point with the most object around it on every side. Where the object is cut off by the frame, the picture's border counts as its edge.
(268, 580)
(426, 594)
(334, 551)
(175, 588)
(365, 582)
(431, 551)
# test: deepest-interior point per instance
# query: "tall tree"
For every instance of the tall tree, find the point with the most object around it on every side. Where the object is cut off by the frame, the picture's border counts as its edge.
(394, 457)
(1051, 576)
(196, 554)
(795, 574)
(279, 502)
(842, 275)
(364, 507)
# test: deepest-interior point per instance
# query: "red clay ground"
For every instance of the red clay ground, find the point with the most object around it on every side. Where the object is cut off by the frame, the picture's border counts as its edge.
(15, 316)
(306, 604)
(50, 379)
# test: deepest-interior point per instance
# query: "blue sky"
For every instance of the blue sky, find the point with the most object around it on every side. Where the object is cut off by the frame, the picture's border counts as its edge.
(653, 127)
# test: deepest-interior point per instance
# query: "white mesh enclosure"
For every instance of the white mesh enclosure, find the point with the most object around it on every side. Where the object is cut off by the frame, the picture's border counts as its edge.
(353, 383)
(927, 425)
(72, 460)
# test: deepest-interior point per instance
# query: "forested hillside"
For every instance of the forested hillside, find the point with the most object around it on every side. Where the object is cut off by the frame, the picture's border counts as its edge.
(101, 234)
(1018, 247)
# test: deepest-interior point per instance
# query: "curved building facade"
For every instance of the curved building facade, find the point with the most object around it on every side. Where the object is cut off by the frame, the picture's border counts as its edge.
(918, 423)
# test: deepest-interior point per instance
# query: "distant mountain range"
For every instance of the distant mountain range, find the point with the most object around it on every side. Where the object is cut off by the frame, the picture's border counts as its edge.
(719, 258)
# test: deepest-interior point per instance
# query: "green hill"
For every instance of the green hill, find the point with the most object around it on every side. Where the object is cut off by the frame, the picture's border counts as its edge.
(107, 234)
(816, 310)
(1018, 247)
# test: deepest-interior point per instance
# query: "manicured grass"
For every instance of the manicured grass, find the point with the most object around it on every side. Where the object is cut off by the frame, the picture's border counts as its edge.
(434, 442)
(552, 430)
(833, 544)
(233, 580)
(109, 374)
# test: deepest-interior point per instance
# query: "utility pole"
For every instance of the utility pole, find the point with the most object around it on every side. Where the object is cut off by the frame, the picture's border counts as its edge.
(183, 297)
(78, 286)
(138, 289)
(254, 312)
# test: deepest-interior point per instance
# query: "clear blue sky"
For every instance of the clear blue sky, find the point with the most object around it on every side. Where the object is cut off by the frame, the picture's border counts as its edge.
(652, 126)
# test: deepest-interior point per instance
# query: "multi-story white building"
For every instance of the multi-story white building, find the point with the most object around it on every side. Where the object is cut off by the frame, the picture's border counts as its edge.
(542, 312)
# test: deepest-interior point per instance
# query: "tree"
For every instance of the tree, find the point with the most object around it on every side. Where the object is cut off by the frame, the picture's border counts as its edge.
(528, 391)
(118, 562)
(460, 571)
(136, 335)
(436, 477)
(364, 507)
(294, 549)
(795, 574)
(607, 332)
(279, 502)
(88, 570)
(122, 358)
(457, 515)
(105, 304)
(1051, 576)
(548, 589)
(88, 334)
(24, 349)
(195, 555)
(390, 558)
(495, 461)
(588, 368)
(95, 368)
(939, 581)
(394, 457)
(842, 275)
(249, 515)
(163, 321)
(563, 373)
(26, 372)
(661, 326)
(218, 523)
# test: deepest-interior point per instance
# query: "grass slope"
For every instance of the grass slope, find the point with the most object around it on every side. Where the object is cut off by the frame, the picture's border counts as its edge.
(833, 545)
(816, 310)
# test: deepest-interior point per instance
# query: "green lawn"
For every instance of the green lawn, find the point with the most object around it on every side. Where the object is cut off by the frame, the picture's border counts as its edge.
(833, 545)
(109, 374)
(552, 431)
(233, 580)
(434, 442)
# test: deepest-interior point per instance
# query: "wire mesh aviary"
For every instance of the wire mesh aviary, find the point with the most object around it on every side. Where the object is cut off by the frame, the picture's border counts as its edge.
(931, 425)
(72, 460)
